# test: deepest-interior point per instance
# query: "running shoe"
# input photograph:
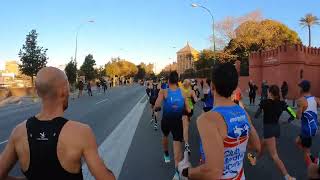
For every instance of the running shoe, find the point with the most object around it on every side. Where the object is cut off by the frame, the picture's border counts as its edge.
(252, 159)
(155, 126)
(152, 120)
(176, 176)
(288, 177)
(187, 148)
(166, 158)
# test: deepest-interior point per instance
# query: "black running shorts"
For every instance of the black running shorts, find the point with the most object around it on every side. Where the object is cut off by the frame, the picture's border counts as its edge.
(306, 142)
(207, 109)
(174, 126)
(271, 130)
(152, 100)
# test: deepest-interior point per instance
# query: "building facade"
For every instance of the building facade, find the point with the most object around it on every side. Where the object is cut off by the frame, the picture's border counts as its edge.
(12, 67)
(186, 58)
(170, 67)
(290, 63)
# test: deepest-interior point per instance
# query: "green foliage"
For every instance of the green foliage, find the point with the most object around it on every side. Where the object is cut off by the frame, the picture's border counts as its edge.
(32, 56)
(120, 67)
(207, 58)
(255, 36)
(71, 71)
(100, 72)
(163, 74)
(87, 67)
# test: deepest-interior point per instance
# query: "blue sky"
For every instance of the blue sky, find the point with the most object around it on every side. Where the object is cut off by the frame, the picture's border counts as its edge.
(138, 30)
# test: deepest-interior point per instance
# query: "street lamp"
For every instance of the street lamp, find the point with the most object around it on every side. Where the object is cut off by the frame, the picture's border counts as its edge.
(78, 29)
(194, 5)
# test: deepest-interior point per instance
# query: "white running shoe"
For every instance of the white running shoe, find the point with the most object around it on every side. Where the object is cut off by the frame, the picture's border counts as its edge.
(187, 148)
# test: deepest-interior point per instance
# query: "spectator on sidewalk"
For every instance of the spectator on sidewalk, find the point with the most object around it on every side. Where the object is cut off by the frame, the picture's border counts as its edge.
(284, 90)
(80, 86)
(98, 86)
(252, 92)
(264, 90)
(89, 88)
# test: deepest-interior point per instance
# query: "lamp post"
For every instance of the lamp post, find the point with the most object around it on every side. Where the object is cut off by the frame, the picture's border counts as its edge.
(194, 5)
(78, 29)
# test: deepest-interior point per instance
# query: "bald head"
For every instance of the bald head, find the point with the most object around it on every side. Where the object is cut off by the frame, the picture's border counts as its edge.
(49, 80)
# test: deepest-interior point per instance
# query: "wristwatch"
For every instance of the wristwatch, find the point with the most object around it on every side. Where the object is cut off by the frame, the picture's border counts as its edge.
(185, 172)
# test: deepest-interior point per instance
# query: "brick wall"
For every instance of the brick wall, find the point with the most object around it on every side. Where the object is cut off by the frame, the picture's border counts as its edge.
(289, 63)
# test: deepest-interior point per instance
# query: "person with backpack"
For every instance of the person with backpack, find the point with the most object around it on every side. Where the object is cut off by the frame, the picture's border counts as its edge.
(307, 113)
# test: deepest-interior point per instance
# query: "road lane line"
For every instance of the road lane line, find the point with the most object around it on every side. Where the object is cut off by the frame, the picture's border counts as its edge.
(115, 147)
(3, 142)
(107, 99)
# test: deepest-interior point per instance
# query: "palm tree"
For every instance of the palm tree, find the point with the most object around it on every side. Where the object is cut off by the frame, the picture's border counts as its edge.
(308, 21)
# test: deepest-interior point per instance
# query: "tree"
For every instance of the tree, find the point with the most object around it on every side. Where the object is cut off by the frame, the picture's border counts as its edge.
(32, 57)
(71, 71)
(100, 72)
(207, 57)
(164, 74)
(308, 21)
(112, 69)
(120, 67)
(226, 28)
(141, 72)
(87, 67)
(149, 69)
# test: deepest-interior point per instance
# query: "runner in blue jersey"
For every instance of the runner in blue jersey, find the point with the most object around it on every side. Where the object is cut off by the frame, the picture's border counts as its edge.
(164, 85)
(225, 132)
(208, 99)
(173, 106)
(307, 113)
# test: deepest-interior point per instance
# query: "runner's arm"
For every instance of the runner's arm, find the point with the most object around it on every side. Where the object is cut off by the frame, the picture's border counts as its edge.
(90, 152)
(259, 111)
(194, 96)
(159, 99)
(290, 111)
(8, 159)
(213, 147)
(254, 141)
(318, 102)
(186, 105)
(300, 107)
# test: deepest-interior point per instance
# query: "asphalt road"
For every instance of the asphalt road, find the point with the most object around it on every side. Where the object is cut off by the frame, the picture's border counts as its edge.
(132, 149)
(102, 112)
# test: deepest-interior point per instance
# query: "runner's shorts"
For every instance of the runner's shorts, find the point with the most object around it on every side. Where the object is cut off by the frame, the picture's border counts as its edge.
(207, 109)
(153, 100)
(174, 126)
(306, 141)
(271, 130)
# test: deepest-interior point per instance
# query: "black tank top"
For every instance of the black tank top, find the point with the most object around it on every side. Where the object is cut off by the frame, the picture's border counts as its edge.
(43, 139)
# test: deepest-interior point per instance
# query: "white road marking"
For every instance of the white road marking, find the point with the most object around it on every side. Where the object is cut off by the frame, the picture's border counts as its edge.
(107, 99)
(115, 147)
(3, 142)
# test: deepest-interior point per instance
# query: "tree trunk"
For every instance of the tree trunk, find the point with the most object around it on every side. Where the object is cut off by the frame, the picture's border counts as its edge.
(31, 81)
(309, 28)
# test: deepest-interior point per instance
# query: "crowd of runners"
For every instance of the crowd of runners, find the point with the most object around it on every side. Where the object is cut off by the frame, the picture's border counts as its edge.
(46, 147)
(227, 135)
